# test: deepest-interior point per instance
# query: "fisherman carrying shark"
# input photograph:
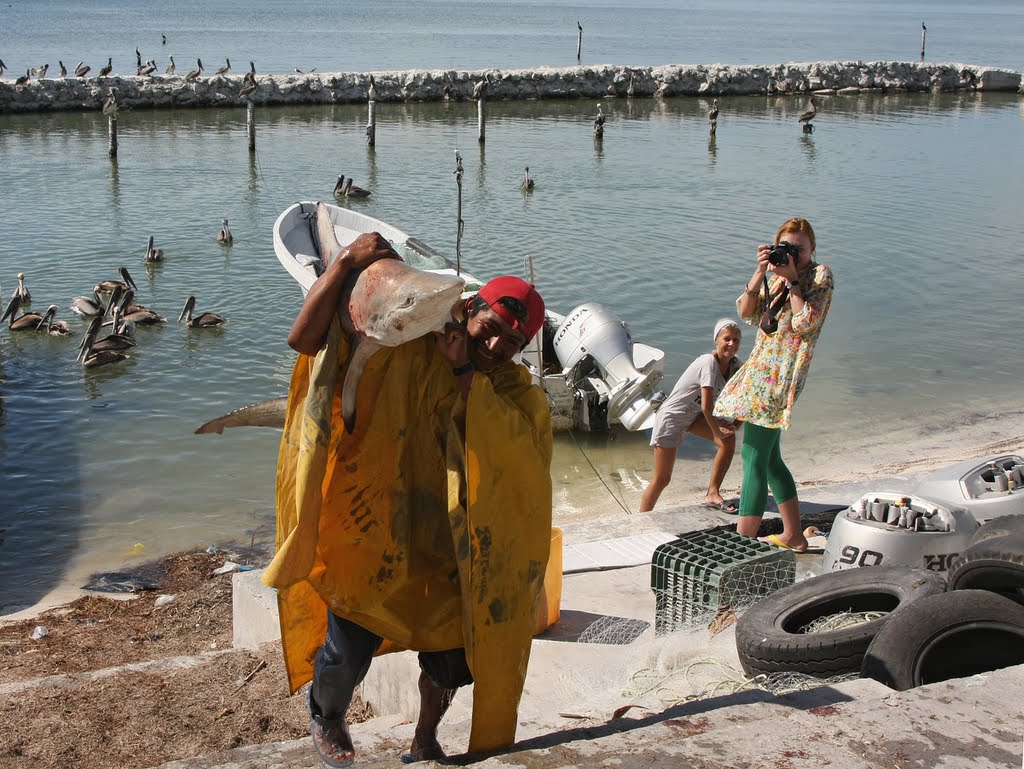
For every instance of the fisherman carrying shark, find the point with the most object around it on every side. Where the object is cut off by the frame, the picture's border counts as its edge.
(422, 519)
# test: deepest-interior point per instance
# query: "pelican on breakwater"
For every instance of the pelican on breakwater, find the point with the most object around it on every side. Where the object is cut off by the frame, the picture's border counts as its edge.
(527, 184)
(225, 69)
(107, 69)
(138, 58)
(193, 76)
(82, 69)
(170, 67)
(205, 320)
(23, 79)
(63, 69)
(225, 237)
(3, 67)
(153, 254)
(147, 69)
(23, 294)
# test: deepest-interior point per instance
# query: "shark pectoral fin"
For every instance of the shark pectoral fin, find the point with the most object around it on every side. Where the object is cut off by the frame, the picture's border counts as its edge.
(362, 350)
(269, 413)
(329, 245)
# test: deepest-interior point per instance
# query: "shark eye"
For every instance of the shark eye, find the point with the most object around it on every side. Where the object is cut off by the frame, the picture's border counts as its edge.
(407, 302)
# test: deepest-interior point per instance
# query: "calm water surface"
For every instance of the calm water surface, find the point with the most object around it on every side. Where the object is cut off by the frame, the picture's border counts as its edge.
(915, 200)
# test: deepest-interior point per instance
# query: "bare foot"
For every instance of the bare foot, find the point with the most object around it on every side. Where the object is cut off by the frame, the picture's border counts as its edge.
(428, 752)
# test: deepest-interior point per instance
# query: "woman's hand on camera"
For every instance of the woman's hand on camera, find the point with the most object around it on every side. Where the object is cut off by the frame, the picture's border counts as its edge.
(786, 271)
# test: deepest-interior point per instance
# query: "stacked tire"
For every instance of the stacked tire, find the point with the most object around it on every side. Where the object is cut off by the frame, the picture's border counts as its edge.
(926, 634)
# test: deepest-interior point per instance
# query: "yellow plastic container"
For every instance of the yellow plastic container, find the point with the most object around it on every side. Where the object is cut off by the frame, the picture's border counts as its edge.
(550, 604)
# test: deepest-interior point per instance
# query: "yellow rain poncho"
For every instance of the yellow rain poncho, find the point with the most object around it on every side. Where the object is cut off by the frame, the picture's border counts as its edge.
(428, 537)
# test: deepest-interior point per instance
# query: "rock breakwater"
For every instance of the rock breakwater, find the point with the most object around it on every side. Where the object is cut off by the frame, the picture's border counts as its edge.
(520, 84)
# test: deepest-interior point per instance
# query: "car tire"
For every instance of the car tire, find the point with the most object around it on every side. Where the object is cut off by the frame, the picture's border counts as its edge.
(953, 635)
(769, 635)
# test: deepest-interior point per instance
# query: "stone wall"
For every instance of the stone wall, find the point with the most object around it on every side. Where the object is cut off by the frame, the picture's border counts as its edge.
(542, 83)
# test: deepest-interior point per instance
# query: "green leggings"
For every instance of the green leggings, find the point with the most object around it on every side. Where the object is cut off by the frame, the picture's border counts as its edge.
(763, 467)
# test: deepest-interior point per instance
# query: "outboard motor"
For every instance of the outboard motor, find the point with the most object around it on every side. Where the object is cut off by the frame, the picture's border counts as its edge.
(623, 375)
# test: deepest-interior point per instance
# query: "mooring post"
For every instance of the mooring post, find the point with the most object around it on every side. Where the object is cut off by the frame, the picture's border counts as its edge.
(458, 222)
(579, 41)
(250, 125)
(112, 135)
(924, 33)
(478, 94)
(371, 116)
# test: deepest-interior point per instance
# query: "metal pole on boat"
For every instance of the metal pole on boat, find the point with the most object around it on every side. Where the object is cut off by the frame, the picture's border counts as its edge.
(459, 223)
(250, 125)
(112, 134)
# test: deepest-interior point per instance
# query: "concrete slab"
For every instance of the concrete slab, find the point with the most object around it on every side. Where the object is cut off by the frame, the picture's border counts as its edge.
(253, 611)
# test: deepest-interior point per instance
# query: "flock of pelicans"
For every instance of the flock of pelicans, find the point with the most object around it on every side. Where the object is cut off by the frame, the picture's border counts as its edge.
(112, 304)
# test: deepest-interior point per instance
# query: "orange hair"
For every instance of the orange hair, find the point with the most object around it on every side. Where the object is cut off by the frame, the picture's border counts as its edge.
(797, 224)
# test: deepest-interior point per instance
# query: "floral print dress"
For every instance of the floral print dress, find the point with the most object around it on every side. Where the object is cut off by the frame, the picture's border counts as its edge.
(765, 388)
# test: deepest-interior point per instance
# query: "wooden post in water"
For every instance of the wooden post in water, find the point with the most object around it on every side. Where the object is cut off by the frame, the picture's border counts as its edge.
(579, 41)
(250, 125)
(478, 94)
(924, 33)
(459, 223)
(112, 134)
(371, 117)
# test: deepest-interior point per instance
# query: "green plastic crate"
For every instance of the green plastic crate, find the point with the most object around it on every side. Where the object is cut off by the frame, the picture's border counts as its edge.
(696, 575)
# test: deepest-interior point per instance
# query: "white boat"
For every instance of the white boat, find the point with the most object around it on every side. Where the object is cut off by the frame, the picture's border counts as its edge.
(594, 374)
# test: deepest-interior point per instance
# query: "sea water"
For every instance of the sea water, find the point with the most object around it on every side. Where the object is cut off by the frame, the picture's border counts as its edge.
(915, 200)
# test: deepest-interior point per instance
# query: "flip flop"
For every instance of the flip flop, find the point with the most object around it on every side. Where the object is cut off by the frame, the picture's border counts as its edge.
(722, 507)
(773, 539)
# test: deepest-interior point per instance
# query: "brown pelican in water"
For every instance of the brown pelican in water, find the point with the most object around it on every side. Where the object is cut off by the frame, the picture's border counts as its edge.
(88, 305)
(527, 184)
(106, 286)
(63, 69)
(54, 327)
(170, 67)
(355, 192)
(82, 69)
(21, 292)
(153, 254)
(225, 69)
(339, 187)
(135, 313)
(808, 116)
(224, 236)
(193, 76)
(90, 357)
(25, 322)
(107, 69)
(163, 39)
(206, 320)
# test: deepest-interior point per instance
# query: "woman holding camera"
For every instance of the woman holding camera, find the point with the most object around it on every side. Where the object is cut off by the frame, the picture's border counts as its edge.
(787, 297)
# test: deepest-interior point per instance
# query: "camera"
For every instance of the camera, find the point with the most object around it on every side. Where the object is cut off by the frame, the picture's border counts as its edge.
(780, 253)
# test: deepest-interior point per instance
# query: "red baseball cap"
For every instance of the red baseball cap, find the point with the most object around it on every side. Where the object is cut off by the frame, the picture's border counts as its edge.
(527, 322)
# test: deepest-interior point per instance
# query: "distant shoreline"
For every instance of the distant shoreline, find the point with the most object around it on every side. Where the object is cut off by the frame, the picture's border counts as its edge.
(611, 81)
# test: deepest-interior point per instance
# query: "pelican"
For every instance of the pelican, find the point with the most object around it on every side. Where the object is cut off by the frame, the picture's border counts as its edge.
(371, 92)
(82, 69)
(808, 116)
(138, 58)
(24, 78)
(91, 358)
(21, 292)
(2, 67)
(713, 112)
(88, 306)
(206, 320)
(170, 67)
(107, 69)
(163, 39)
(106, 286)
(250, 76)
(599, 121)
(248, 88)
(54, 327)
(355, 192)
(225, 69)
(631, 88)
(136, 313)
(193, 76)
(527, 184)
(478, 88)
(118, 339)
(339, 188)
(224, 236)
(153, 254)
(41, 72)
(63, 69)
(110, 106)
(24, 322)
(147, 69)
